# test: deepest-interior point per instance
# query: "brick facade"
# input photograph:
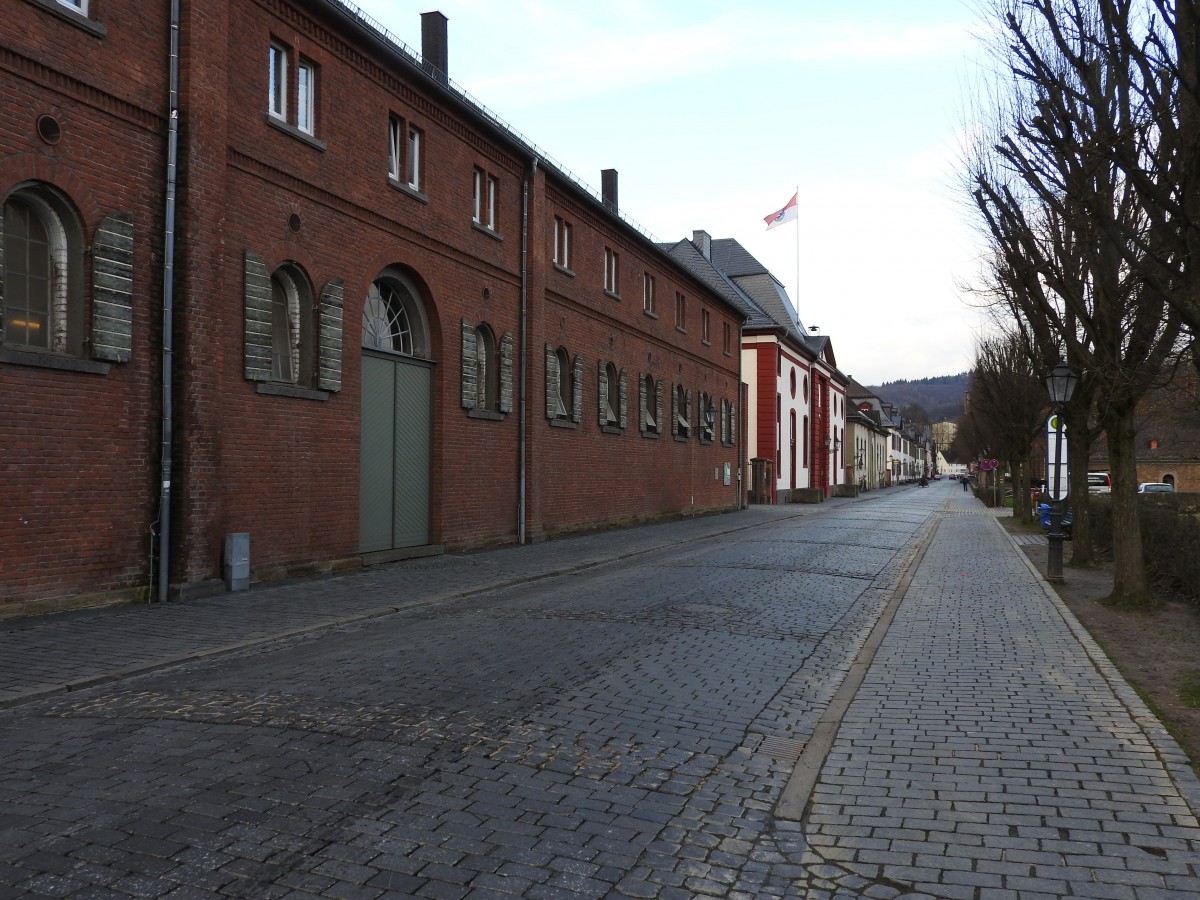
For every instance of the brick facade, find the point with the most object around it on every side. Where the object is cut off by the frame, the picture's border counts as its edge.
(264, 203)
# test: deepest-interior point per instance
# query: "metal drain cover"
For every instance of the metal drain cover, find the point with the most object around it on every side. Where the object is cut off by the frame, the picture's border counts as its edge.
(782, 748)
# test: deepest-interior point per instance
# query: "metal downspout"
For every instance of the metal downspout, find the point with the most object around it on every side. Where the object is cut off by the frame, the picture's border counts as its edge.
(522, 428)
(164, 498)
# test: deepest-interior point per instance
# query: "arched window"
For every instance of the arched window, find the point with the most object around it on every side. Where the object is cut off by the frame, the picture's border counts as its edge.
(651, 401)
(683, 402)
(566, 388)
(611, 399)
(43, 272)
(291, 326)
(393, 318)
(487, 372)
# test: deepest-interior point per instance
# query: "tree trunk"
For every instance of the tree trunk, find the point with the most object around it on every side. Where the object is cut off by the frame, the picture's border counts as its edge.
(1079, 446)
(1130, 586)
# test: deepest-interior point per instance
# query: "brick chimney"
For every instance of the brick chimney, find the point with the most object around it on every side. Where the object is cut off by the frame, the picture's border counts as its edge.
(434, 46)
(608, 188)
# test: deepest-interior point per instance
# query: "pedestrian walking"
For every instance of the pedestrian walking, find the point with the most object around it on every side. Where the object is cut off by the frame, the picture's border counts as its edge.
(964, 481)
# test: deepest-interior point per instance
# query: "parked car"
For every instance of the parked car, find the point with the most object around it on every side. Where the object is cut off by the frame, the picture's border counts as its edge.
(1155, 487)
(1068, 519)
(1099, 483)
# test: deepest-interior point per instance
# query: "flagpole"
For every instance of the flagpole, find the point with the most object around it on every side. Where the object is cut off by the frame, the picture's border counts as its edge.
(796, 299)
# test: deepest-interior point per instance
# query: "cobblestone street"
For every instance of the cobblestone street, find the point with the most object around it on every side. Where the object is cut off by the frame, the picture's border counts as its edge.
(616, 715)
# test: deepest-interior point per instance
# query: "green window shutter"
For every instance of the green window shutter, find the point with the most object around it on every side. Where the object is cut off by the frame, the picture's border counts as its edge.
(687, 414)
(330, 316)
(658, 406)
(257, 298)
(112, 288)
(551, 382)
(470, 383)
(601, 391)
(577, 392)
(732, 423)
(674, 409)
(506, 372)
(623, 414)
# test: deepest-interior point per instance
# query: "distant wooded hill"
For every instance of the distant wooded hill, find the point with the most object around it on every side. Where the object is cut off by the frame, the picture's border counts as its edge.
(941, 397)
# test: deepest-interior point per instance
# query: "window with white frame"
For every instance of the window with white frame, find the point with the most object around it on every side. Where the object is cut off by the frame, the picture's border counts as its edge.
(306, 91)
(562, 243)
(277, 81)
(395, 147)
(78, 5)
(493, 202)
(612, 261)
(485, 200)
(704, 325)
(413, 173)
(648, 298)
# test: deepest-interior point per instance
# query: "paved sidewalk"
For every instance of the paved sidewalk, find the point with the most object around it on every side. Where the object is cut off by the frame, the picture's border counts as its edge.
(993, 752)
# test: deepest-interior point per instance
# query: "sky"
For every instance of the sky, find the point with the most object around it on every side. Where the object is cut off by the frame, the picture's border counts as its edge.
(714, 114)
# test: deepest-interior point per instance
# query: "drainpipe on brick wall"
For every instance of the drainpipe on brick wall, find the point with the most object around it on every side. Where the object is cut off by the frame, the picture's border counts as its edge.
(164, 498)
(522, 426)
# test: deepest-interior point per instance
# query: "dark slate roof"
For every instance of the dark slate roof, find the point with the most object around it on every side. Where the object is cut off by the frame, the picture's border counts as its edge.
(689, 256)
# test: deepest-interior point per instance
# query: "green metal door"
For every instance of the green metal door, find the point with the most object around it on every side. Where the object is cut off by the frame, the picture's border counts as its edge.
(395, 454)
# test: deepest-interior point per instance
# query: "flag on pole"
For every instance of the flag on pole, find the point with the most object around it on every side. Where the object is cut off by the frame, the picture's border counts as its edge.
(781, 216)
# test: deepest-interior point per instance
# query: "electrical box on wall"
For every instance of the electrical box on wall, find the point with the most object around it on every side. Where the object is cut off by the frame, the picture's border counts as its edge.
(237, 561)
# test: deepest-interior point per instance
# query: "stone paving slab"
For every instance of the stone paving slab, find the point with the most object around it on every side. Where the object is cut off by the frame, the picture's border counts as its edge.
(49, 654)
(993, 751)
(627, 732)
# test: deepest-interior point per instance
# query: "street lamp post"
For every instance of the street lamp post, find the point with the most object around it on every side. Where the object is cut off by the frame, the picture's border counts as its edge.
(1061, 384)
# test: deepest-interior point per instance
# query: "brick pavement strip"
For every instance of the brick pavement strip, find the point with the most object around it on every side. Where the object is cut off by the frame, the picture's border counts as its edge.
(544, 724)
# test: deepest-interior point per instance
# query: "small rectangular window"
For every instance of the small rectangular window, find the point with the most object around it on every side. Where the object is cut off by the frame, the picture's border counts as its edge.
(306, 89)
(415, 137)
(277, 82)
(680, 312)
(611, 274)
(704, 325)
(648, 294)
(477, 196)
(395, 145)
(493, 202)
(562, 242)
(726, 339)
(78, 5)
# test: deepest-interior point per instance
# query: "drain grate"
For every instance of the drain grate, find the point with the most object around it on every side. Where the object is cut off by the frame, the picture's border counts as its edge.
(782, 748)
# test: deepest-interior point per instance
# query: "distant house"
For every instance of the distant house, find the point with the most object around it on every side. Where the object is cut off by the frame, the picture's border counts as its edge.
(795, 394)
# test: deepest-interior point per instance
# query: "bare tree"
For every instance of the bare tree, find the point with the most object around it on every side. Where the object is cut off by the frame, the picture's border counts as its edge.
(1070, 229)
(1009, 403)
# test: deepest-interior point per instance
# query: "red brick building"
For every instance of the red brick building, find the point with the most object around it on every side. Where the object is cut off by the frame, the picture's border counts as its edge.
(396, 326)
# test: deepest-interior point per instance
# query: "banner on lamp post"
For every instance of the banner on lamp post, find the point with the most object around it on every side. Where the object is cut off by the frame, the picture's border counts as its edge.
(1058, 470)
